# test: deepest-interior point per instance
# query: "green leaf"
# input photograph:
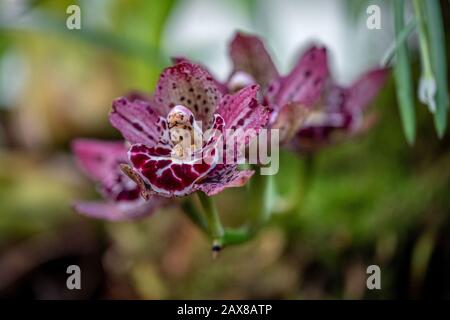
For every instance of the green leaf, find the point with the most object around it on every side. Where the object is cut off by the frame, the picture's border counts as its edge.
(403, 78)
(427, 85)
(438, 61)
(399, 40)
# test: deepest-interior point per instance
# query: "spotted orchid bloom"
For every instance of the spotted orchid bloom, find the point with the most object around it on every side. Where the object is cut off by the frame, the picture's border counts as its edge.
(101, 160)
(343, 113)
(177, 136)
(306, 105)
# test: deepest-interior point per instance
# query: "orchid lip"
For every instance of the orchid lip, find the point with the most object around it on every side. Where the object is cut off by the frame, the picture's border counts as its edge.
(185, 133)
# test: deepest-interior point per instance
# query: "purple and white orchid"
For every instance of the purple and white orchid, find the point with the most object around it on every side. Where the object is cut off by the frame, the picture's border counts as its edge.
(178, 136)
(165, 158)
(306, 105)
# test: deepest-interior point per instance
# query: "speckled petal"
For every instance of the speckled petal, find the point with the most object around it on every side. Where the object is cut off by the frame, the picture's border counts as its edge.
(192, 86)
(249, 55)
(242, 110)
(304, 84)
(137, 121)
(222, 177)
(180, 59)
(343, 113)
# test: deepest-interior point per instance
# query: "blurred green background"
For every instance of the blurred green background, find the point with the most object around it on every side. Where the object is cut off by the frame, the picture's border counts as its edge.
(370, 200)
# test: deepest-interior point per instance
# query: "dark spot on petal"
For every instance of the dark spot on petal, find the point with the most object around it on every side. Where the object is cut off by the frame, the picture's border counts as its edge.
(137, 126)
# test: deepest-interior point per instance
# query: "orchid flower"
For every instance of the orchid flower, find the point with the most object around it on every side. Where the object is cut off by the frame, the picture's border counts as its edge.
(342, 113)
(100, 160)
(306, 106)
(166, 158)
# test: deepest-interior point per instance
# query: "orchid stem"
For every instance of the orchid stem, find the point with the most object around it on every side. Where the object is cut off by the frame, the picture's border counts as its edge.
(215, 227)
(193, 214)
(231, 236)
(234, 236)
(305, 181)
(260, 200)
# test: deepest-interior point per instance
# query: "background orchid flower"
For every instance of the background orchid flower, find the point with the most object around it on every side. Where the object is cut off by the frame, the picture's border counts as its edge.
(342, 113)
(100, 160)
(187, 100)
(305, 105)
(290, 97)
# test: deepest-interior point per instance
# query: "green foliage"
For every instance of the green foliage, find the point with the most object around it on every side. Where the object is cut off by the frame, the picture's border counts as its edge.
(439, 62)
(403, 77)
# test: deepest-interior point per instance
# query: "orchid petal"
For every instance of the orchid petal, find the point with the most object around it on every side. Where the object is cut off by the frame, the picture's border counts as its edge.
(242, 110)
(366, 88)
(192, 86)
(305, 83)
(224, 176)
(136, 121)
(343, 112)
(99, 159)
(119, 211)
(250, 56)
(289, 120)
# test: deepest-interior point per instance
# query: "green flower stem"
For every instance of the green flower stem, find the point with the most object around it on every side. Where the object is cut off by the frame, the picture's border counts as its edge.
(260, 204)
(215, 229)
(260, 200)
(236, 236)
(192, 213)
(231, 236)
(305, 180)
